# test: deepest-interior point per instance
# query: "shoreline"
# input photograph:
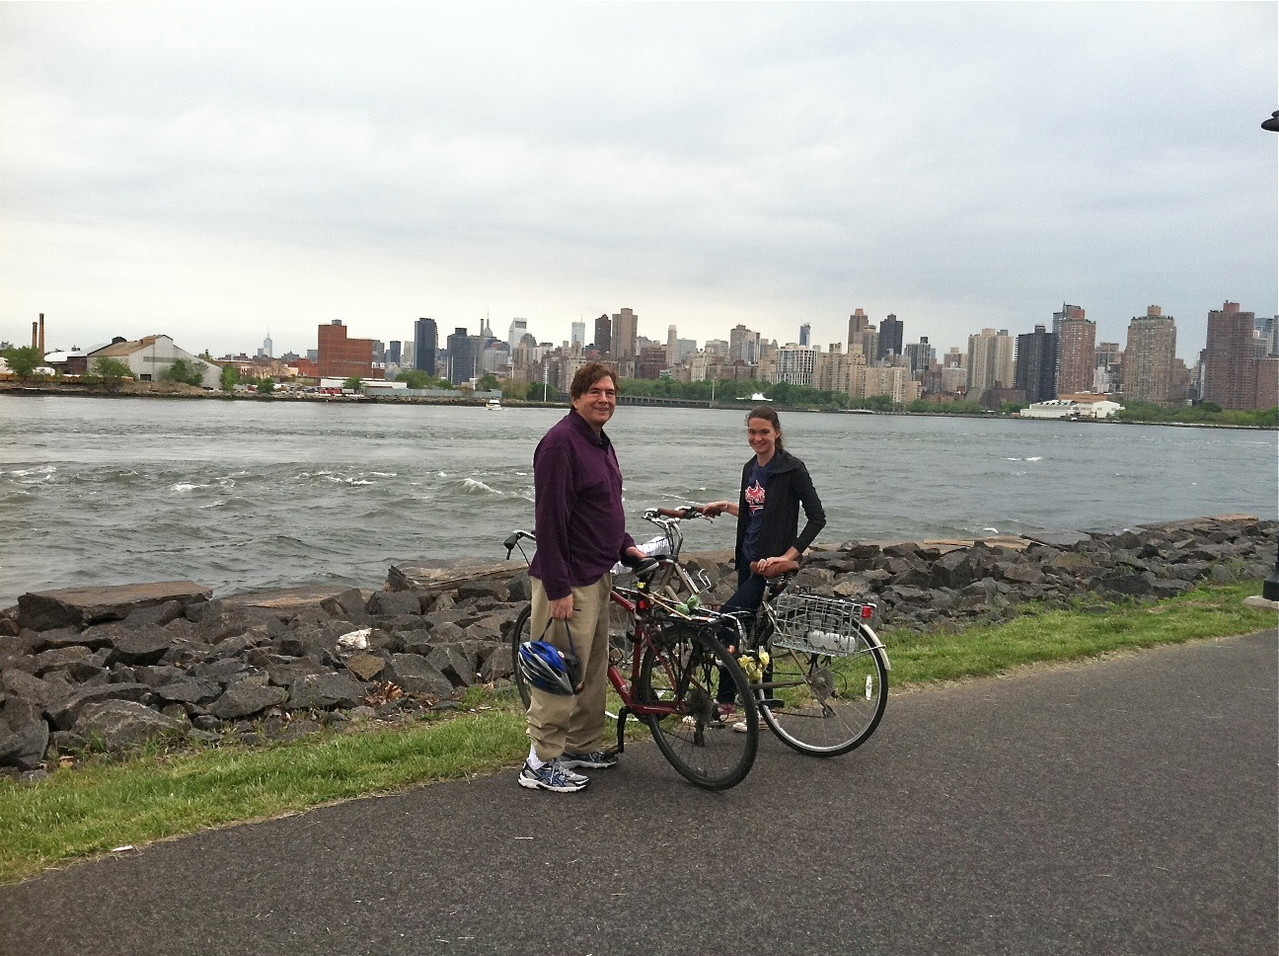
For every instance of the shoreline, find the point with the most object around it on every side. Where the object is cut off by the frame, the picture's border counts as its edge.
(154, 390)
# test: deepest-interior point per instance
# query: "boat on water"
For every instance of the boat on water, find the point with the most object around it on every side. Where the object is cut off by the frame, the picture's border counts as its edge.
(493, 404)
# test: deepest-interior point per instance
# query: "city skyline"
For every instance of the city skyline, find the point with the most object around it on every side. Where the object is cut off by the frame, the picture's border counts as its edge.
(222, 172)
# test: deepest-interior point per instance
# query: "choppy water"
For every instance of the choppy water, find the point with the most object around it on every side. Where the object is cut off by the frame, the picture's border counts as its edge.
(245, 495)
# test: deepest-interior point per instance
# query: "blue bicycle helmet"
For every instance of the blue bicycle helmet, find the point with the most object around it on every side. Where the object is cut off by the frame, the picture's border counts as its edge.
(546, 667)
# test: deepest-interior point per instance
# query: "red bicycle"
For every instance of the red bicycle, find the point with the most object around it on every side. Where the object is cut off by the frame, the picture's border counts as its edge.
(665, 666)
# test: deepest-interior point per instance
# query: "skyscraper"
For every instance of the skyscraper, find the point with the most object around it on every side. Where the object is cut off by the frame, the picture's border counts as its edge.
(425, 342)
(464, 357)
(990, 361)
(603, 335)
(890, 338)
(743, 345)
(862, 337)
(1230, 375)
(1149, 356)
(1076, 350)
(516, 333)
(1037, 364)
(625, 334)
(577, 338)
(805, 334)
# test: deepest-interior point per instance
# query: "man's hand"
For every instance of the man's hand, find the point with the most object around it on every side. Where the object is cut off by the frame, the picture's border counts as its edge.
(562, 608)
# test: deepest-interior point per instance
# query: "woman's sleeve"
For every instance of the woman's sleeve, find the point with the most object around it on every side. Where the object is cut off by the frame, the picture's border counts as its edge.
(814, 513)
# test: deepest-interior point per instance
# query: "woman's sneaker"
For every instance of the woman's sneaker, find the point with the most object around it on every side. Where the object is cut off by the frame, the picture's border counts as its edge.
(554, 776)
(595, 760)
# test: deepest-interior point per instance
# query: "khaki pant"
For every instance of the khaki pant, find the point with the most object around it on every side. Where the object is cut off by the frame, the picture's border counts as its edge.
(557, 723)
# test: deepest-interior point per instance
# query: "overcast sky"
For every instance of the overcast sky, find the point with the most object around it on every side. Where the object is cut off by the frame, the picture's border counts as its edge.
(217, 171)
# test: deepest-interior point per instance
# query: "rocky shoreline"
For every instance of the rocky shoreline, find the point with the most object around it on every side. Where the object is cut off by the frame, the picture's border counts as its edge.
(111, 668)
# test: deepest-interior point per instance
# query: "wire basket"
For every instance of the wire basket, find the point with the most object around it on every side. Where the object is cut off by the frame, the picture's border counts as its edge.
(820, 625)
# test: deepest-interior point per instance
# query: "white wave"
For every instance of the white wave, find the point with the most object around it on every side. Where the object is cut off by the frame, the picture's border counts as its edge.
(46, 471)
(184, 486)
(470, 485)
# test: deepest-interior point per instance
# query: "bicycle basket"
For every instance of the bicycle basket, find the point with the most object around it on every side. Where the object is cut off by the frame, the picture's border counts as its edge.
(820, 625)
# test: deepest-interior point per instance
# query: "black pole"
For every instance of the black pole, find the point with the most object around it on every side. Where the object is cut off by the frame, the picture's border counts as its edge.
(1270, 589)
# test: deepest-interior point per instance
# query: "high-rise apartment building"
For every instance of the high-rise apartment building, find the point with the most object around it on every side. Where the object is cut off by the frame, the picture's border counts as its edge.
(796, 364)
(890, 338)
(743, 345)
(625, 335)
(603, 335)
(805, 334)
(1230, 366)
(990, 361)
(862, 336)
(919, 355)
(1149, 357)
(341, 357)
(1036, 366)
(1076, 350)
(463, 356)
(425, 345)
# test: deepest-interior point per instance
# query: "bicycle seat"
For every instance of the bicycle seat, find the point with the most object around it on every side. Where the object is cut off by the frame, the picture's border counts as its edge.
(775, 570)
(646, 567)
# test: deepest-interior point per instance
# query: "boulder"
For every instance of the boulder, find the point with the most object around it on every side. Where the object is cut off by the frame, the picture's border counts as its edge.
(66, 714)
(24, 748)
(122, 724)
(46, 610)
(245, 697)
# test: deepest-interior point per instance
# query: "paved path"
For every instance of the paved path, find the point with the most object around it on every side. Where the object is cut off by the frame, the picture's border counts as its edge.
(1123, 807)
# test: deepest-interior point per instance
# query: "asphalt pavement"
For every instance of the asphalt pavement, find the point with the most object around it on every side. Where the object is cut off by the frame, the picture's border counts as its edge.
(1125, 806)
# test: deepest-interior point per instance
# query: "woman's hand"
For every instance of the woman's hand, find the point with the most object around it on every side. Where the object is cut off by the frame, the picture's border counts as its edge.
(714, 509)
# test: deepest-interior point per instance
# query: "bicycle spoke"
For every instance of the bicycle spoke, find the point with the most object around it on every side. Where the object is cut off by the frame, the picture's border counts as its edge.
(683, 671)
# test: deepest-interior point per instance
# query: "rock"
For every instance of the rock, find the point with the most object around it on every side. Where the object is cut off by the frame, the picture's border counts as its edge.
(122, 724)
(245, 697)
(324, 692)
(66, 713)
(416, 675)
(25, 747)
(395, 602)
(366, 666)
(145, 644)
(46, 610)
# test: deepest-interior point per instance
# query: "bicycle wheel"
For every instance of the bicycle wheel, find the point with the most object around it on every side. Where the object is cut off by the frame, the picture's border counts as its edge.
(519, 633)
(829, 705)
(679, 672)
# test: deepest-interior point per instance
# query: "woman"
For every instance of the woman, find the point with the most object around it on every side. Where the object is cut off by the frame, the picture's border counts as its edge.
(775, 486)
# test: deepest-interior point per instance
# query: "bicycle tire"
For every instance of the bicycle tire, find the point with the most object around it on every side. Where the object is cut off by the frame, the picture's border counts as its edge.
(518, 634)
(521, 631)
(680, 668)
(830, 705)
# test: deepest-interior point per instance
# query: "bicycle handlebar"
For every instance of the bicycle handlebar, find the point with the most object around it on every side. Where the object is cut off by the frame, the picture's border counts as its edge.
(683, 514)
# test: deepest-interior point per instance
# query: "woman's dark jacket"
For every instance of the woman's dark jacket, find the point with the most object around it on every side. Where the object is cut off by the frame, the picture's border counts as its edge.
(787, 489)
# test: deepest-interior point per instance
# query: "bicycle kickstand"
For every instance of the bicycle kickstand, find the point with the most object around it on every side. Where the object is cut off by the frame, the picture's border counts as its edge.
(621, 728)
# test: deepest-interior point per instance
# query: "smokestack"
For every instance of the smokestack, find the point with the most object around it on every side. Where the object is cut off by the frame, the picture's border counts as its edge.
(42, 335)
(35, 335)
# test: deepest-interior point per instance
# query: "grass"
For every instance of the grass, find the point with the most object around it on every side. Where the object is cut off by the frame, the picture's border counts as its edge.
(87, 811)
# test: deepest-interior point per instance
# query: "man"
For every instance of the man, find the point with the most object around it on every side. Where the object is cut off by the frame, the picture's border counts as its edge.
(581, 534)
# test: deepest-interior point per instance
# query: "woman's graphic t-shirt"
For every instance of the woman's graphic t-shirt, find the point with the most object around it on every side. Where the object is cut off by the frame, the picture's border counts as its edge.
(756, 492)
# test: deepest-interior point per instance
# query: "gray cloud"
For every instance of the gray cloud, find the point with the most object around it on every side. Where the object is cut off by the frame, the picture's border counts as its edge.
(215, 170)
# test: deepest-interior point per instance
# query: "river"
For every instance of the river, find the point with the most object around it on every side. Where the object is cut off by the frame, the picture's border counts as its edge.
(241, 495)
